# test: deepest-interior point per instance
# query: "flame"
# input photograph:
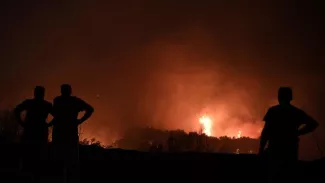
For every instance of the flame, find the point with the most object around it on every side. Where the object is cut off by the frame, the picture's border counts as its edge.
(206, 123)
(239, 134)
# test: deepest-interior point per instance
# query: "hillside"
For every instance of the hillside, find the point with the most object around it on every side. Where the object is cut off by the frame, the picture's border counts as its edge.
(98, 165)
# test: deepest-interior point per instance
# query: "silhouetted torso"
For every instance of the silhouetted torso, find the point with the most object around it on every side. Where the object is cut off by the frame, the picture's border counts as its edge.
(65, 112)
(37, 110)
(283, 122)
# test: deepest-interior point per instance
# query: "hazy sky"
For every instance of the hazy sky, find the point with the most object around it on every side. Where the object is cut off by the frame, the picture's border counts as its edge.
(165, 63)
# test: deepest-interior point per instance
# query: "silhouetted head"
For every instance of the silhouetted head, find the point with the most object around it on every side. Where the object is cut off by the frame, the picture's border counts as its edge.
(285, 95)
(39, 92)
(66, 90)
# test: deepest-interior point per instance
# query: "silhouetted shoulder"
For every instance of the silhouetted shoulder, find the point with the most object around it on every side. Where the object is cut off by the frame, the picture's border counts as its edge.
(57, 98)
(57, 104)
(298, 113)
(270, 112)
(297, 110)
(291, 112)
(82, 105)
(304, 118)
(60, 100)
(48, 105)
(27, 101)
(23, 105)
(275, 108)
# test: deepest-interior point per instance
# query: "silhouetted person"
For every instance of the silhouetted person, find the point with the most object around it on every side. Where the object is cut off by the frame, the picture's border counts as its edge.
(35, 134)
(35, 126)
(282, 129)
(65, 123)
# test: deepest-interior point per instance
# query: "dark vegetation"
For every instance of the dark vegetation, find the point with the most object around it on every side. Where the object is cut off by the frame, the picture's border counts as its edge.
(193, 159)
(97, 164)
(9, 128)
(144, 139)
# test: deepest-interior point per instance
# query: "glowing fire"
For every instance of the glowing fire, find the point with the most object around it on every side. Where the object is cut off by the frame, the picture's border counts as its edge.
(239, 134)
(206, 123)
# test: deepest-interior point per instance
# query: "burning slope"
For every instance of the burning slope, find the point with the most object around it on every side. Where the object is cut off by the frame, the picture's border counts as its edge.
(210, 127)
(206, 123)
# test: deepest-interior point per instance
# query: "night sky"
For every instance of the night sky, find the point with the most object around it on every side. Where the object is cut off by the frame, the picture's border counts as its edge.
(163, 63)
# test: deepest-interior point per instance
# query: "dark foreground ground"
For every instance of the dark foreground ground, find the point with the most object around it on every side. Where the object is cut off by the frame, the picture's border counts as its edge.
(99, 165)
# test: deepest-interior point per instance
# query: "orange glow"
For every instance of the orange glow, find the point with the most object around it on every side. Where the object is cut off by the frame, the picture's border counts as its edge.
(219, 120)
(206, 123)
(239, 134)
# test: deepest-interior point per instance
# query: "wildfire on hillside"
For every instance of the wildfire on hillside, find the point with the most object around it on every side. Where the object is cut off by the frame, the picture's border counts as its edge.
(239, 134)
(206, 123)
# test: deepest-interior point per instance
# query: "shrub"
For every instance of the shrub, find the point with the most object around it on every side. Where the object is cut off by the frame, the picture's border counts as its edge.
(9, 127)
